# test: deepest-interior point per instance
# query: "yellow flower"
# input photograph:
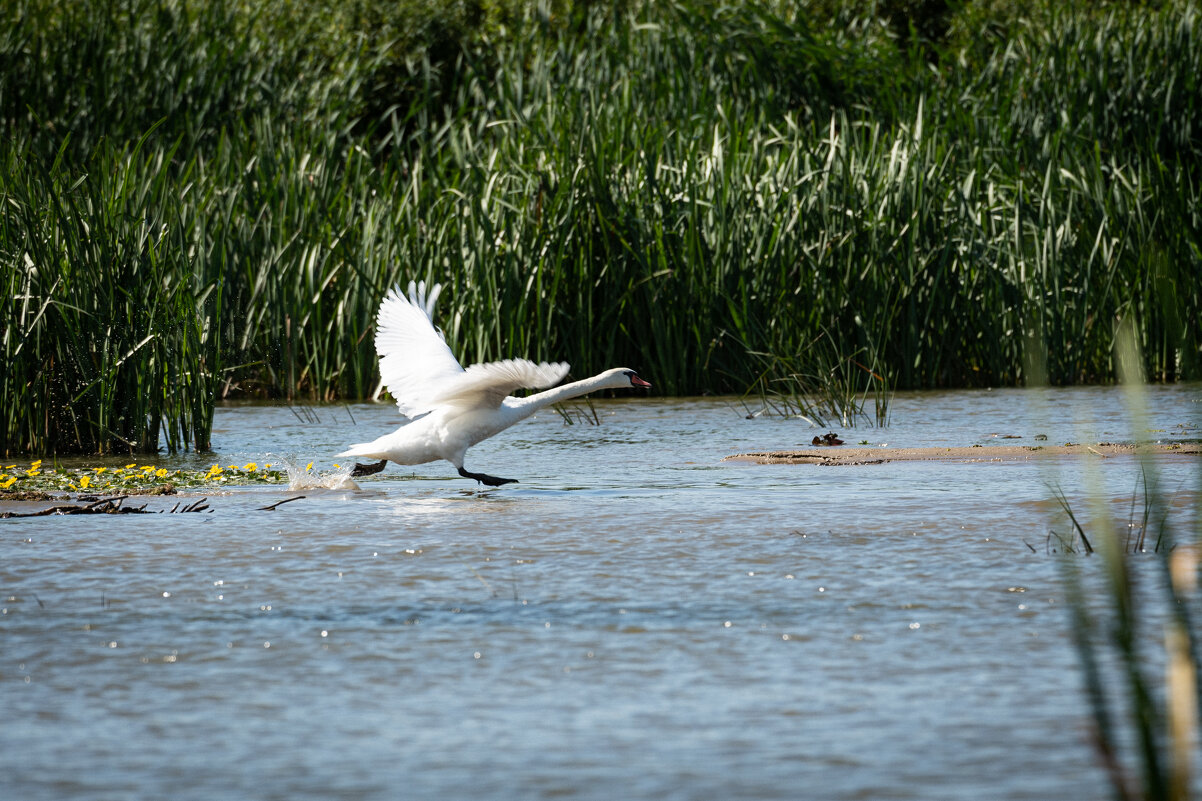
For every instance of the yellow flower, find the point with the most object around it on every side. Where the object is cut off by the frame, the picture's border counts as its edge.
(161, 472)
(215, 470)
(251, 466)
(267, 466)
(32, 472)
(36, 465)
(100, 470)
(233, 467)
(308, 467)
(130, 466)
(9, 483)
(147, 468)
(84, 481)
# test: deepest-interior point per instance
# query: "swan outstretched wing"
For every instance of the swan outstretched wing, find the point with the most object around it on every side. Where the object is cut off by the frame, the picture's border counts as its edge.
(486, 385)
(415, 363)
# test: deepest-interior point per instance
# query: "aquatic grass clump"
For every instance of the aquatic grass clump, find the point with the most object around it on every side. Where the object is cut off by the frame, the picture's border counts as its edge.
(823, 386)
(581, 411)
(132, 478)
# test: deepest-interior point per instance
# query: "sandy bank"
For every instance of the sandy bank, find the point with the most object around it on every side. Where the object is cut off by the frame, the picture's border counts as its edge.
(840, 455)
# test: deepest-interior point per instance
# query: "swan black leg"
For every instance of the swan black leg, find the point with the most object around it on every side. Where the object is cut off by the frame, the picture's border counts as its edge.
(368, 469)
(484, 478)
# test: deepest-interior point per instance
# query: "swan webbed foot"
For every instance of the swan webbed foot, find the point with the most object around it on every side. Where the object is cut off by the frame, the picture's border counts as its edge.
(486, 479)
(368, 469)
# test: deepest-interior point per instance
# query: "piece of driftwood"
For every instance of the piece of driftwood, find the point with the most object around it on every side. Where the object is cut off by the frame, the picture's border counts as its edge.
(198, 506)
(104, 506)
(279, 503)
(113, 506)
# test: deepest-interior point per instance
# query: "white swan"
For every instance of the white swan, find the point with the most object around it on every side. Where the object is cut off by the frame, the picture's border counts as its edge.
(451, 409)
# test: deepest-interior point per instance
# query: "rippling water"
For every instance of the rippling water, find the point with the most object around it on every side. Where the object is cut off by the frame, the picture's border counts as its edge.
(635, 619)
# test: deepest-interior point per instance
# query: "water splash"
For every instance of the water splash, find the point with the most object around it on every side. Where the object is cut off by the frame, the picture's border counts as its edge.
(306, 478)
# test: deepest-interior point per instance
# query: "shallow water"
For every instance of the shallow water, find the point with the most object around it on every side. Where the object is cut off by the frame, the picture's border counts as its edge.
(635, 619)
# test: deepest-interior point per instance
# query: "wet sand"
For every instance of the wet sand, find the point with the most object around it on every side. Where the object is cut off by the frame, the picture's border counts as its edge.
(839, 455)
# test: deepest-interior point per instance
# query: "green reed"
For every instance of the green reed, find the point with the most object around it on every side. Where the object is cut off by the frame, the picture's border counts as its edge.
(1146, 739)
(668, 187)
(105, 341)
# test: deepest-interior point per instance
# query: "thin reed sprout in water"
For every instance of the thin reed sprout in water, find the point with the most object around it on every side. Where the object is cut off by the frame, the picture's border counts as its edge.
(580, 411)
(1146, 739)
(822, 385)
(1140, 523)
(668, 186)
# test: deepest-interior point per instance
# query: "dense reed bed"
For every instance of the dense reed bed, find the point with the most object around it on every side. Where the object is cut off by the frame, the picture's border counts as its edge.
(204, 199)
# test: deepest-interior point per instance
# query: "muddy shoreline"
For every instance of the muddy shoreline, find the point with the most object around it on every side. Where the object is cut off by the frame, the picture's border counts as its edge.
(839, 455)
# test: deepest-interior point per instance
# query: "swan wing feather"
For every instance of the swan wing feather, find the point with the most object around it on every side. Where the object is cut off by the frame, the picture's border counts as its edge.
(486, 385)
(415, 362)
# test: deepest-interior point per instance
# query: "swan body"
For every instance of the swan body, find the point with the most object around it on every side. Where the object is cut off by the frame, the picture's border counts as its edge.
(451, 408)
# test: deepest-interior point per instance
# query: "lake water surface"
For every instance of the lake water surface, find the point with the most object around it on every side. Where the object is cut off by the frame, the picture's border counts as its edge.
(636, 619)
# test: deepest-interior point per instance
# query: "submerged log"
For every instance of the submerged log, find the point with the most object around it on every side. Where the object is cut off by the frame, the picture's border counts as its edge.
(104, 506)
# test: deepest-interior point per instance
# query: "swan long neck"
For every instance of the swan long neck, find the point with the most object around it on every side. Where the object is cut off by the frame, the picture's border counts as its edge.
(563, 392)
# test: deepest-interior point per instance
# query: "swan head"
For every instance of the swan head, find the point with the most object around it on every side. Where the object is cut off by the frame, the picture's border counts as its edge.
(622, 378)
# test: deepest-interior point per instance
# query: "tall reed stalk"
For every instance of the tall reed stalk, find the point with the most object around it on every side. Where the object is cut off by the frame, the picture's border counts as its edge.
(1146, 728)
